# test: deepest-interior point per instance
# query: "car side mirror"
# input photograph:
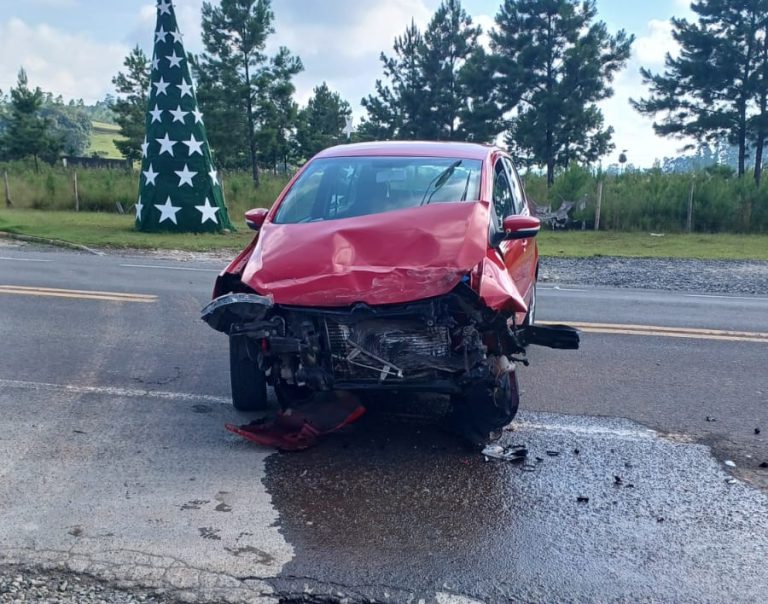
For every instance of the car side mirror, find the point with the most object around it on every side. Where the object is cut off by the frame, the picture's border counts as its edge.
(521, 227)
(255, 218)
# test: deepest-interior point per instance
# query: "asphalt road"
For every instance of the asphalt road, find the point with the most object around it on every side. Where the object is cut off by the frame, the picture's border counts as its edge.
(115, 462)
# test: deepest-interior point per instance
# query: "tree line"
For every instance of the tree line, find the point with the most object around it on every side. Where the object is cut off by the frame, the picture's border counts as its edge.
(536, 85)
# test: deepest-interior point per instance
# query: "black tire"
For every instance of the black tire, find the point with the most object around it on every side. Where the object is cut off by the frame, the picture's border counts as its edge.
(483, 410)
(249, 385)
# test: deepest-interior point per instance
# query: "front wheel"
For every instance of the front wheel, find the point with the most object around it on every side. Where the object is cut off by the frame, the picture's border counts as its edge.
(249, 384)
(482, 410)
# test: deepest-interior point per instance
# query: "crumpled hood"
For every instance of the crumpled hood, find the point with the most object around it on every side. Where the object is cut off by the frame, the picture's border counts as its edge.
(386, 258)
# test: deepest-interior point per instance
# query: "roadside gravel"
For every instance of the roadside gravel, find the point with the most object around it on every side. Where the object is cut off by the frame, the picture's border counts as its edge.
(708, 276)
(19, 586)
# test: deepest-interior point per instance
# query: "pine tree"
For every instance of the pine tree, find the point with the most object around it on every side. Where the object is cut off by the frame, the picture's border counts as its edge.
(179, 186)
(397, 110)
(27, 131)
(480, 115)
(277, 111)
(710, 89)
(554, 63)
(449, 41)
(322, 122)
(234, 36)
(130, 108)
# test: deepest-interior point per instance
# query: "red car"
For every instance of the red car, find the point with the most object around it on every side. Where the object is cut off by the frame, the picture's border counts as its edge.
(404, 266)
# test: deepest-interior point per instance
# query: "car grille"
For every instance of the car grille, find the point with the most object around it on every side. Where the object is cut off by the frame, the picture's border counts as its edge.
(366, 348)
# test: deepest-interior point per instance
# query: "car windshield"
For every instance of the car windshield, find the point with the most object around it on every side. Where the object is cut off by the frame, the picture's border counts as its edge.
(343, 187)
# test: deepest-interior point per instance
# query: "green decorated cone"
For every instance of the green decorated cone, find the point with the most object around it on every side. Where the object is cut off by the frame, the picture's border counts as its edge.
(179, 188)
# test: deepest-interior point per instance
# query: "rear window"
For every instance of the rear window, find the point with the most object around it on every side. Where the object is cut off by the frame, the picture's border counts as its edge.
(343, 187)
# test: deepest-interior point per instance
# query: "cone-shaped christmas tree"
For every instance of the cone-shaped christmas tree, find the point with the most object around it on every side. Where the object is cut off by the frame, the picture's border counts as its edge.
(179, 189)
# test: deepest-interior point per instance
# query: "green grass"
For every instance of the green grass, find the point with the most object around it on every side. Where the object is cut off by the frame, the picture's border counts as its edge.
(580, 244)
(98, 229)
(103, 138)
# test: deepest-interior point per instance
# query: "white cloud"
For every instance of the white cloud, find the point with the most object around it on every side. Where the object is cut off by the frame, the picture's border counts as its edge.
(72, 65)
(651, 49)
(633, 131)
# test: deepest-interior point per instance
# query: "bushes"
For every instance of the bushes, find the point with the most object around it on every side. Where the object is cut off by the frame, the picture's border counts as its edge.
(634, 201)
(651, 200)
(52, 188)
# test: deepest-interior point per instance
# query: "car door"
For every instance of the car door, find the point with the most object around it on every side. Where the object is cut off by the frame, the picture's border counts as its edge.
(520, 256)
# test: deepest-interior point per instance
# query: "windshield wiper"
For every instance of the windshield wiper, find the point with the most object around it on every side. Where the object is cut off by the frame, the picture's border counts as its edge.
(438, 181)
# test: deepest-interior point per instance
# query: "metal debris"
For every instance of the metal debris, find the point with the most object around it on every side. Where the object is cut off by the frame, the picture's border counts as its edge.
(729, 463)
(513, 453)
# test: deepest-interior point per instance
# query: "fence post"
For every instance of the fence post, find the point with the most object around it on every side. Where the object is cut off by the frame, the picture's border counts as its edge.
(77, 195)
(8, 202)
(599, 206)
(689, 223)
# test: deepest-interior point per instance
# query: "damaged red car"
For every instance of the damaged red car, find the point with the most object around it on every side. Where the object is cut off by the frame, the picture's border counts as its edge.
(398, 266)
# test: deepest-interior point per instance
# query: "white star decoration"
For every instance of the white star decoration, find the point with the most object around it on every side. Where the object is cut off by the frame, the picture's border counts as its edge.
(176, 36)
(144, 147)
(160, 35)
(139, 208)
(194, 146)
(174, 60)
(185, 176)
(164, 8)
(155, 62)
(166, 145)
(150, 175)
(198, 115)
(214, 176)
(168, 211)
(157, 114)
(178, 114)
(186, 89)
(161, 86)
(208, 212)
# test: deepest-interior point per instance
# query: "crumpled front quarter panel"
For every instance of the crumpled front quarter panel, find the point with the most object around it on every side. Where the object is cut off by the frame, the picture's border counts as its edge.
(388, 258)
(497, 289)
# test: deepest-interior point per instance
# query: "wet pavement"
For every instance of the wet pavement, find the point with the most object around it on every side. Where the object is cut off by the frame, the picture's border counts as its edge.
(602, 510)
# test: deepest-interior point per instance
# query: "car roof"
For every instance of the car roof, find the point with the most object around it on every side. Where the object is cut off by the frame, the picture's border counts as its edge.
(410, 148)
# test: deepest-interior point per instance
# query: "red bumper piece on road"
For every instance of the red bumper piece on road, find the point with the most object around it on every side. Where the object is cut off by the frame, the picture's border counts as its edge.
(297, 429)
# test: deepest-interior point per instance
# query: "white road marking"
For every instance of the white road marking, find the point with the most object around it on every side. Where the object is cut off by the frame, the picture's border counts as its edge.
(587, 430)
(724, 297)
(118, 392)
(172, 268)
(24, 259)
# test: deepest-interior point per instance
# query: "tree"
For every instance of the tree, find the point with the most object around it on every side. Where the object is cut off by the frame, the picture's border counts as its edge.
(397, 108)
(322, 122)
(27, 131)
(130, 108)
(480, 115)
(67, 122)
(278, 112)
(709, 90)
(234, 37)
(437, 85)
(554, 62)
(448, 42)
(758, 123)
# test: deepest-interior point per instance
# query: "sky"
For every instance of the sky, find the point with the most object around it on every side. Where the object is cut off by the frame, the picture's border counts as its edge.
(75, 47)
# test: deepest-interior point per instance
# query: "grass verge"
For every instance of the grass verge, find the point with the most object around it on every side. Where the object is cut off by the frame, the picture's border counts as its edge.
(580, 244)
(103, 230)
(95, 229)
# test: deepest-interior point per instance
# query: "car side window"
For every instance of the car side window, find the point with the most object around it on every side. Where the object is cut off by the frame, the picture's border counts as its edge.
(503, 200)
(517, 190)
